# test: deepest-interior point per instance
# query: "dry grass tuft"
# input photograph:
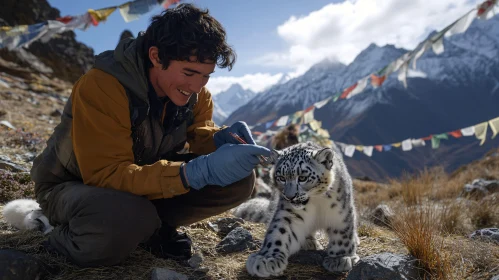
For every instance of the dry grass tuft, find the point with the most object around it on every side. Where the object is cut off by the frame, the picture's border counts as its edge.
(416, 229)
(484, 213)
(451, 218)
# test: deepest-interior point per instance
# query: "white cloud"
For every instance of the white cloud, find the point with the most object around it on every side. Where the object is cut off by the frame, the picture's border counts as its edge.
(256, 82)
(340, 31)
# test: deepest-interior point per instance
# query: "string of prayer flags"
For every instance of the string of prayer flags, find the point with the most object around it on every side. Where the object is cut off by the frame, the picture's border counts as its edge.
(347, 91)
(481, 132)
(494, 126)
(361, 85)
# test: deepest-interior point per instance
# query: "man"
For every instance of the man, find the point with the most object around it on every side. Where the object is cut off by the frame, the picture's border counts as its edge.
(110, 177)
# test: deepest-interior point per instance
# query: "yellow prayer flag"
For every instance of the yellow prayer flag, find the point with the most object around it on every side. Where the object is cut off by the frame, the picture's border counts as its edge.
(315, 125)
(322, 132)
(481, 132)
(101, 14)
(397, 145)
(5, 28)
(494, 125)
(359, 148)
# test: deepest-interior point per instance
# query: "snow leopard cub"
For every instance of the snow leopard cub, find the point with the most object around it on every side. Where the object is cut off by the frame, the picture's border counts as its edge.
(316, 194)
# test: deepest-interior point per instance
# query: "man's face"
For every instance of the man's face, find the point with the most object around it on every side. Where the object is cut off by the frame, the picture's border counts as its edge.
(180, 80)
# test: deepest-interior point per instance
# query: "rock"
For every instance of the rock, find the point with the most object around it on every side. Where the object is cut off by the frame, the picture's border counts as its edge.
(237, 240)
(223, 226)
(196, 260)
(488, 233)
(12, 166)
(382, 215)
(5, 158)
(480, 188)
(56, 113)
(495, 277)
(166, 274)
(385, 266)
(28, 156)
(308, 257)
(17, 265)
(7, 124)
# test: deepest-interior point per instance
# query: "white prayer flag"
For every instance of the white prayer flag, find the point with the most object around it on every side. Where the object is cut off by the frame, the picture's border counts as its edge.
(461, 24)
(420, 52)
(282, 121)
(361, 85)
(406, 145)
(322, 103)
(308, 116)
(438, 46)
(416, 143)
(349, 150)
(402, 76)
(469, 131)
(368, 150)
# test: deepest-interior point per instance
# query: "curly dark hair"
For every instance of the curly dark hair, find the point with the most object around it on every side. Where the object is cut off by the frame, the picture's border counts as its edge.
(186, 31)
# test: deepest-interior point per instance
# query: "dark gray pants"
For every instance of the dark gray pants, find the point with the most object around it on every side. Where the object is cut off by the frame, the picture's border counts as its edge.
(99, 226)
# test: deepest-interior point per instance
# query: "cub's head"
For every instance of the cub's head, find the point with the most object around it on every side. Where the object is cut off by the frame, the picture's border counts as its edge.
(301, 171)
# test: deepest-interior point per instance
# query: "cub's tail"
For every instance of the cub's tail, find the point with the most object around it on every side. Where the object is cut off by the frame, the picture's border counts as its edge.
(258, 210)
(26, 214)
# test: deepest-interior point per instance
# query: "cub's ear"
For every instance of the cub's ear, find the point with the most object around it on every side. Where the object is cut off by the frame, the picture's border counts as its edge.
(325, 157)
(274, 156)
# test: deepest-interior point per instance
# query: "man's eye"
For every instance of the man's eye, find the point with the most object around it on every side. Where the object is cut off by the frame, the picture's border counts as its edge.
(188, 75)
(302, 178)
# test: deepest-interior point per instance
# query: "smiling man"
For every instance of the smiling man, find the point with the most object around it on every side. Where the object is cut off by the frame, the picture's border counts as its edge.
(110, 178)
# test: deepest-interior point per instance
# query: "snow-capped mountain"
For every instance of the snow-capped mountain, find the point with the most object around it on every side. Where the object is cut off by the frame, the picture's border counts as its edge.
(219, 115)
(461, 88)
(232, 98)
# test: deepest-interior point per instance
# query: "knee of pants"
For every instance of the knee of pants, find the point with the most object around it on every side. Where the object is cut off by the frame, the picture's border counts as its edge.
(110, 228)
(244, 188)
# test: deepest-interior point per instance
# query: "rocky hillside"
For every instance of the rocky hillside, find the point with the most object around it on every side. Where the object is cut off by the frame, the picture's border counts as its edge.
(62, 57)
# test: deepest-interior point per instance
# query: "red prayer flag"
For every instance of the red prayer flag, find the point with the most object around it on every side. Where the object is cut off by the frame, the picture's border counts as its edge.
(347, 91)
(456, 133)
(65, 19)
(308, 109)
(482, 8)
(427, 138)
(379, 148)
(377, 81)
(167, 3)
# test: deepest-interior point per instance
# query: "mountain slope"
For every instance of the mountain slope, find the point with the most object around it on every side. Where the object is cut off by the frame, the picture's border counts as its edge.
(461, 89)
(232, 98)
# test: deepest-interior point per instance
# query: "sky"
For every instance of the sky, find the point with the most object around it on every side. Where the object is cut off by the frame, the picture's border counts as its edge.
(276, 38)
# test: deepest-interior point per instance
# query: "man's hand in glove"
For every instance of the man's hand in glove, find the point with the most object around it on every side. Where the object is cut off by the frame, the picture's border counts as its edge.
(228, 164)
(239, 128)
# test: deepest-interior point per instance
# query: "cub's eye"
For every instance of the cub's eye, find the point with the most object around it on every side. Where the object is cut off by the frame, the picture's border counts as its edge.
(280, 178)
(302, 178)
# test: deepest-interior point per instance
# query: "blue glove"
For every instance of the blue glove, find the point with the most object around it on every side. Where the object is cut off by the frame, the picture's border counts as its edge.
(239, 128)
(229, 164)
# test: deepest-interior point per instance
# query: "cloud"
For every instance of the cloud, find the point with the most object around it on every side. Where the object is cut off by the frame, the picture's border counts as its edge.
(256, 82)
(339, 31)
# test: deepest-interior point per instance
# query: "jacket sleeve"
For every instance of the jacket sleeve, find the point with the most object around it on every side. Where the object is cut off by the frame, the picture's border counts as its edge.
(200, 133)
(102, 142)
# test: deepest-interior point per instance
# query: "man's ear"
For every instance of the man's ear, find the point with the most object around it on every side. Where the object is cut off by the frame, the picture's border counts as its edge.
(154, 57)
(325, 157)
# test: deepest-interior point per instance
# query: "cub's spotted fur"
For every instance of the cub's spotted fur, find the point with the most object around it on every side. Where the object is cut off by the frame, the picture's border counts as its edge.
(316, 193)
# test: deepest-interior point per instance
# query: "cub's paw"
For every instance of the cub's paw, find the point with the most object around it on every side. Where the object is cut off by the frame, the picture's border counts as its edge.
(265, 266)
(311, 243)
(340, 264)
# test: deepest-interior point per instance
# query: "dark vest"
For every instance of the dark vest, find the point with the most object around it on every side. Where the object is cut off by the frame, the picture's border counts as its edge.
(57, 163)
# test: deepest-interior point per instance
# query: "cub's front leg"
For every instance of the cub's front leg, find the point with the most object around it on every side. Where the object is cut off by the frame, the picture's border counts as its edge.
(342, 248)
(281, 241)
